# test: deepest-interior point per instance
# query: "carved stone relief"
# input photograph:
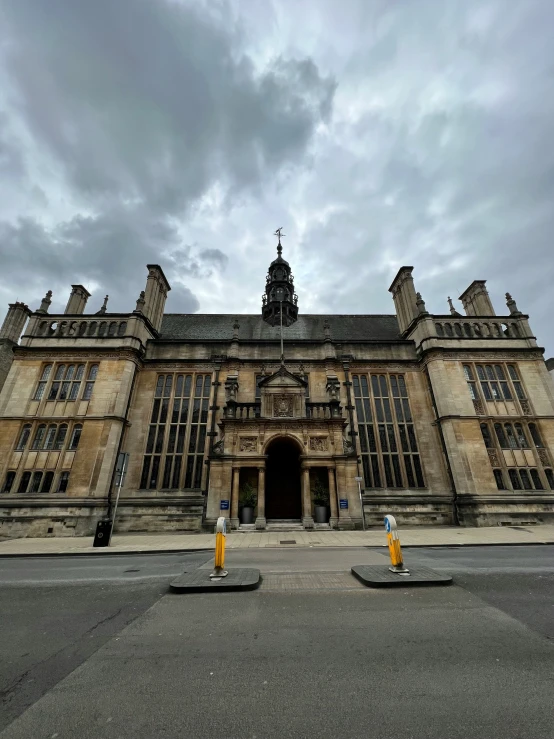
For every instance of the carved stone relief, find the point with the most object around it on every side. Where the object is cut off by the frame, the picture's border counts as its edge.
(282, 405)
(493, 457)
(478, 405)
(526, 408)
(248, 444)
(347, 446)
(217, 448)
(318, 444)
(543, 456)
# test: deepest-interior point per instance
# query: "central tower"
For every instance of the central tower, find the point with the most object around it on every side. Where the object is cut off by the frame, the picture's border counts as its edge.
(279, 300)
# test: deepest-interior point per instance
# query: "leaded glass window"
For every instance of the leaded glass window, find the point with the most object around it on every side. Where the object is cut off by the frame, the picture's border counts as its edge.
(388, 445)
(176, 438)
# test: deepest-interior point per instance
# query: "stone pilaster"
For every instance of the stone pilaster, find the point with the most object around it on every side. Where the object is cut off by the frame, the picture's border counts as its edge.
(260, 519)
(307, 517)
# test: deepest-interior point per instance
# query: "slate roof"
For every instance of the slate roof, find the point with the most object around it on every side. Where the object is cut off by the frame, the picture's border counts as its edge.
(219, 327)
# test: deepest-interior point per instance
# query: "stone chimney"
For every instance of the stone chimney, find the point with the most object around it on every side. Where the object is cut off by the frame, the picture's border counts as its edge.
(77, 300)
(476, 300)
(15, 321)
(155, 295)
(405, 297)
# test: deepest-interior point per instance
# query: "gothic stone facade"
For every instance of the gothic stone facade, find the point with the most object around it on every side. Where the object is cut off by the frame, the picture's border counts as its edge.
(442, 418)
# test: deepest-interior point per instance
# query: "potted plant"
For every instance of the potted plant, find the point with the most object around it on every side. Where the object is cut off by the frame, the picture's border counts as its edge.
(321, 502)
(248, 498)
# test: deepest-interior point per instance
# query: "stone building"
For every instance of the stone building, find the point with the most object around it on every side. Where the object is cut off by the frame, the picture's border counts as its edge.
(434, 418)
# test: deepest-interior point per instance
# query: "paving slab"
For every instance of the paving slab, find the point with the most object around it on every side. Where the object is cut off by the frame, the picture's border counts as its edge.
(382, 577)
(421, 536)
(199, 581)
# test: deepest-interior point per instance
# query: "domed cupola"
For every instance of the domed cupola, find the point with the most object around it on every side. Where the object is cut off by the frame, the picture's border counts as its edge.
(279, 291)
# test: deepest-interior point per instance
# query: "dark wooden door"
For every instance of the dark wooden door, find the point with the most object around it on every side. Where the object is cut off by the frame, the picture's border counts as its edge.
(282, 481)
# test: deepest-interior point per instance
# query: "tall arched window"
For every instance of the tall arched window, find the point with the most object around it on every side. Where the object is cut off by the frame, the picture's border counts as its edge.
(75, 436)
(448, 329)
(486, 435)
(458, 329)
(468, 374)
(102, 328)
(23, 437)
(35, 484)
(499, 479)
(514, 479)
(112, 328)
(42, 383)
(122, 328)
(520, 435)
(535, 435)
(512, 441)
(525, 480)
(60, 437)
(468, 331)
(50, 435)
(76, 384)
(536, 479)
(47, 482)
(82, 328)
(439, 329)
(500, 436)
(92, 328)
(39, 437)
(24, 482)
(550, 477)
(89, 385)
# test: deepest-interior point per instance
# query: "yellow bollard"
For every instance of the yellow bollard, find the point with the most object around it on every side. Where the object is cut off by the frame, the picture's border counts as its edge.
(395, 551)
(219, 564)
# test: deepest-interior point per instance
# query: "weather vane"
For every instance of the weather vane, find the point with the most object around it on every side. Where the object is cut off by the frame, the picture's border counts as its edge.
(279, 234)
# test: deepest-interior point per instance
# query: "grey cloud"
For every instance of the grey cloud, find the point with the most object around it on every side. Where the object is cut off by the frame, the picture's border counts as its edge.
(110, 250)
(140, 109)
(436, 149)
(153, 101)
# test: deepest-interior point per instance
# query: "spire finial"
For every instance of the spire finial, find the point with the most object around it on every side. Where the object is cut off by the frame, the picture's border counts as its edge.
(104, 306)
(279, 234)
(452, 309)
(420, 304)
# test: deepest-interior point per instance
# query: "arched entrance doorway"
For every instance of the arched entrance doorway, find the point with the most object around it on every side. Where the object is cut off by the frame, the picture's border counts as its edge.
(282, 480)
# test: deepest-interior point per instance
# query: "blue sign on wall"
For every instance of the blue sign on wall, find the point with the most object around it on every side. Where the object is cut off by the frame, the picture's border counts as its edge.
(343, 503)
(224, 505)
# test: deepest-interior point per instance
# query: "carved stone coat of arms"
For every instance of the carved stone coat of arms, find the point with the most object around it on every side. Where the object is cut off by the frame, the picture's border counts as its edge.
(282, 405)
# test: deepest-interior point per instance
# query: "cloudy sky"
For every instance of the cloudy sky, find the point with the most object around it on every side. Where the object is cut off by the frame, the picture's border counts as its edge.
(377, 133)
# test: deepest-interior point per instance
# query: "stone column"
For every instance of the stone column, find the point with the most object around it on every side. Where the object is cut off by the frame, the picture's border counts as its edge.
(334, 519)
(307, 518)
(260, 519)
(235, 499)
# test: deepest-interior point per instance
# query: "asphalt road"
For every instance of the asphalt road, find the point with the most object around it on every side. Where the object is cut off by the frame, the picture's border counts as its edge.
(100, 649)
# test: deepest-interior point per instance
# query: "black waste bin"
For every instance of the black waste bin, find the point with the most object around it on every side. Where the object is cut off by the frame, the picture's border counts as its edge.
(103, 531)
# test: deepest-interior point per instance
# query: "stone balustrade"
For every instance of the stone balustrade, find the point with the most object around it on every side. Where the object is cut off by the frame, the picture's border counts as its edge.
(97, 326)
(469, 328)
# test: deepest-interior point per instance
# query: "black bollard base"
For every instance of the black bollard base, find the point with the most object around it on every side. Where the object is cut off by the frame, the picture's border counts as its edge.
(382, 577)
(199, 581)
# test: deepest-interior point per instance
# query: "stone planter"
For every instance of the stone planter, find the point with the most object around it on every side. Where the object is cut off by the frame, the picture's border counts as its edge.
(247, 515)
(321, 514)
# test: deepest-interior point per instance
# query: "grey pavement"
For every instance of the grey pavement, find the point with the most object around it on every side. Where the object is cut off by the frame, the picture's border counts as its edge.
(418, 536)
(311, 653)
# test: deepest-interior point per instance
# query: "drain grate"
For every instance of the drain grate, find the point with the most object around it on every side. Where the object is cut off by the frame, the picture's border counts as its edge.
(288, 541)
